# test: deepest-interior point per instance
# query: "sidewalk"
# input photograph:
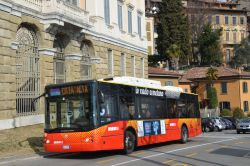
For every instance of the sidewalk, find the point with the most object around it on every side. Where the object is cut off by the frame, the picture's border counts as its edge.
(21, 141)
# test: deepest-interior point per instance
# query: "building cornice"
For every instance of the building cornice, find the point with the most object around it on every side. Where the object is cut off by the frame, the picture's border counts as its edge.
(115, 41)
(60, 19)
(47, 51)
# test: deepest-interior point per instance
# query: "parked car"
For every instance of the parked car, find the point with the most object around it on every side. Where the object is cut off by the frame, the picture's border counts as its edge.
(232, 120)
(243, 126)
(219, 124)
(207, 125)
(228, 123)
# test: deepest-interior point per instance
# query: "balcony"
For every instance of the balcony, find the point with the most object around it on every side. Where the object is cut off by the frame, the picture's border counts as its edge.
(55, 11)
(31, 4)
(62, 11)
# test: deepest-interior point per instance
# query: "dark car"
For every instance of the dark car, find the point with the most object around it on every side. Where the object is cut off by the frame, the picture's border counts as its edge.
(228, 123)
(232, 120)
(207, 125)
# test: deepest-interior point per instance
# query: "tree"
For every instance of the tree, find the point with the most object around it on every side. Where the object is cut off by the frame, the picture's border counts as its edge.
(174, 53)
(213, 99)
(212, 75)
(209, 46)
(238, 113)
(154, 59)
(199, 15)
(226, 112)
(242, 55)
(172, 29)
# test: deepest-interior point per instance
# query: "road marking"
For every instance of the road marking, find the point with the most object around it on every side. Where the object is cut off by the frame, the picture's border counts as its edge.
(168, 161)
(172, 151)
(23, 159)
(180, 164)
(209, 150)
(105, 161)
(207, 136)
(223, 146)
(137, 153)
(239, 143)
(192, 154)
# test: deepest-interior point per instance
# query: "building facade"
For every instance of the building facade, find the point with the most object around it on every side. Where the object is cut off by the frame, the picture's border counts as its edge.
(151, 10)
(231, 86)
(167, 78)
(224, 14)
(55, 41)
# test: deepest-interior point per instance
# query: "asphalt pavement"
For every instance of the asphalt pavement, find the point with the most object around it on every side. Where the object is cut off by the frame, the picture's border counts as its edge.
(224, 148)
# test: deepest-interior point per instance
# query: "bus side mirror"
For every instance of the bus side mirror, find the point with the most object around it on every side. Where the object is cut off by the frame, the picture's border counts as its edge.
(33, 107)
(100, 96)
(33, 102)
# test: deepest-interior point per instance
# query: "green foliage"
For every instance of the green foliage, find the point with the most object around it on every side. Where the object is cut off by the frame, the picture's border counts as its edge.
(154, 59)
(238, 113)
(212, 96)
(248, 114)
(212, 74)
(226, 112)
(173, 30)
(209, 46)
(242, 56)
(174, 51)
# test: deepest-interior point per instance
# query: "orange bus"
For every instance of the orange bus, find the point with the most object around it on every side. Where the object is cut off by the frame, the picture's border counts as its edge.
(117, 113)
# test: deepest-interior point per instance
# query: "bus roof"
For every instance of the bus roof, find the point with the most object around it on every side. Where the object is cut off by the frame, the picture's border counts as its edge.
(141, 82)
(125, 80)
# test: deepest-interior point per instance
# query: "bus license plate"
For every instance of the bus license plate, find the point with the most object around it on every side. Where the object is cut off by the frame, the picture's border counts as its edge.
(66, 147)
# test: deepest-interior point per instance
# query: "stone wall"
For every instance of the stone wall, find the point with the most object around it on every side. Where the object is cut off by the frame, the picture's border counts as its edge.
(8, 26)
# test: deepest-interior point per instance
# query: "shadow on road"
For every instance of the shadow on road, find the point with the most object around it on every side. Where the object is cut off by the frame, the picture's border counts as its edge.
(36, 143)
(102, 154)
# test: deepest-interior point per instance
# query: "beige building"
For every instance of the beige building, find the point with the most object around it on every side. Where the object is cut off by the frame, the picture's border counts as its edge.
(54, 41)
(221, 14)
(150, 35)
(166, 77)
(231, 86)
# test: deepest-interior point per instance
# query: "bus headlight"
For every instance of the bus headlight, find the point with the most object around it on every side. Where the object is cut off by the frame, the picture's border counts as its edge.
(47, 141)
(89, 139)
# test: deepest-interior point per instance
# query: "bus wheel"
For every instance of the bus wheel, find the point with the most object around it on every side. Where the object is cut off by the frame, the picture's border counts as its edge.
(129, 142)
(184, 134)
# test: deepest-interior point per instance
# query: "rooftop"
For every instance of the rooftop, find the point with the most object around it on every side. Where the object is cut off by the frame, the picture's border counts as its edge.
(153, 71)
(223, 72)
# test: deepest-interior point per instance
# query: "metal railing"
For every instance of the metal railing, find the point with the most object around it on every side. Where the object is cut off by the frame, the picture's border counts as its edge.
(56, 7)
(65, 9)
(33, 4)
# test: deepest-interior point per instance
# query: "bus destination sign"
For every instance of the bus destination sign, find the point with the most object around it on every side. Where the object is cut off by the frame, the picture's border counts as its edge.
(69, 90)
(149, 92)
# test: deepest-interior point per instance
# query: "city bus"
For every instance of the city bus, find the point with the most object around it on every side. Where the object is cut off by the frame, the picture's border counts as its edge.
(119, 113)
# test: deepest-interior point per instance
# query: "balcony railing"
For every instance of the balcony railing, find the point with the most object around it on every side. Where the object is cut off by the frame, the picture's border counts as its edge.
(66, 10)
(32, 4)
(57, 8)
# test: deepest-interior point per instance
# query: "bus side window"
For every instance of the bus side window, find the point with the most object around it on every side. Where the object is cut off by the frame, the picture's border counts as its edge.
(108, 109)
(124, 108)
(190, 109)
(127, 102)
(171, 108)
(181, 109)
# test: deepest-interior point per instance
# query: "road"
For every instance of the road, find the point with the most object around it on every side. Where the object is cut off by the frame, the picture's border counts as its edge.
(224, 148)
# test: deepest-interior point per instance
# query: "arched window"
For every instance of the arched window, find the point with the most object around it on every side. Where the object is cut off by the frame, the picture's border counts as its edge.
(27, 70)
(85, 64)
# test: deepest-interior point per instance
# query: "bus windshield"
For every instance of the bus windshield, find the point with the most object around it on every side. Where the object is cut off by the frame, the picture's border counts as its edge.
(69, 112)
